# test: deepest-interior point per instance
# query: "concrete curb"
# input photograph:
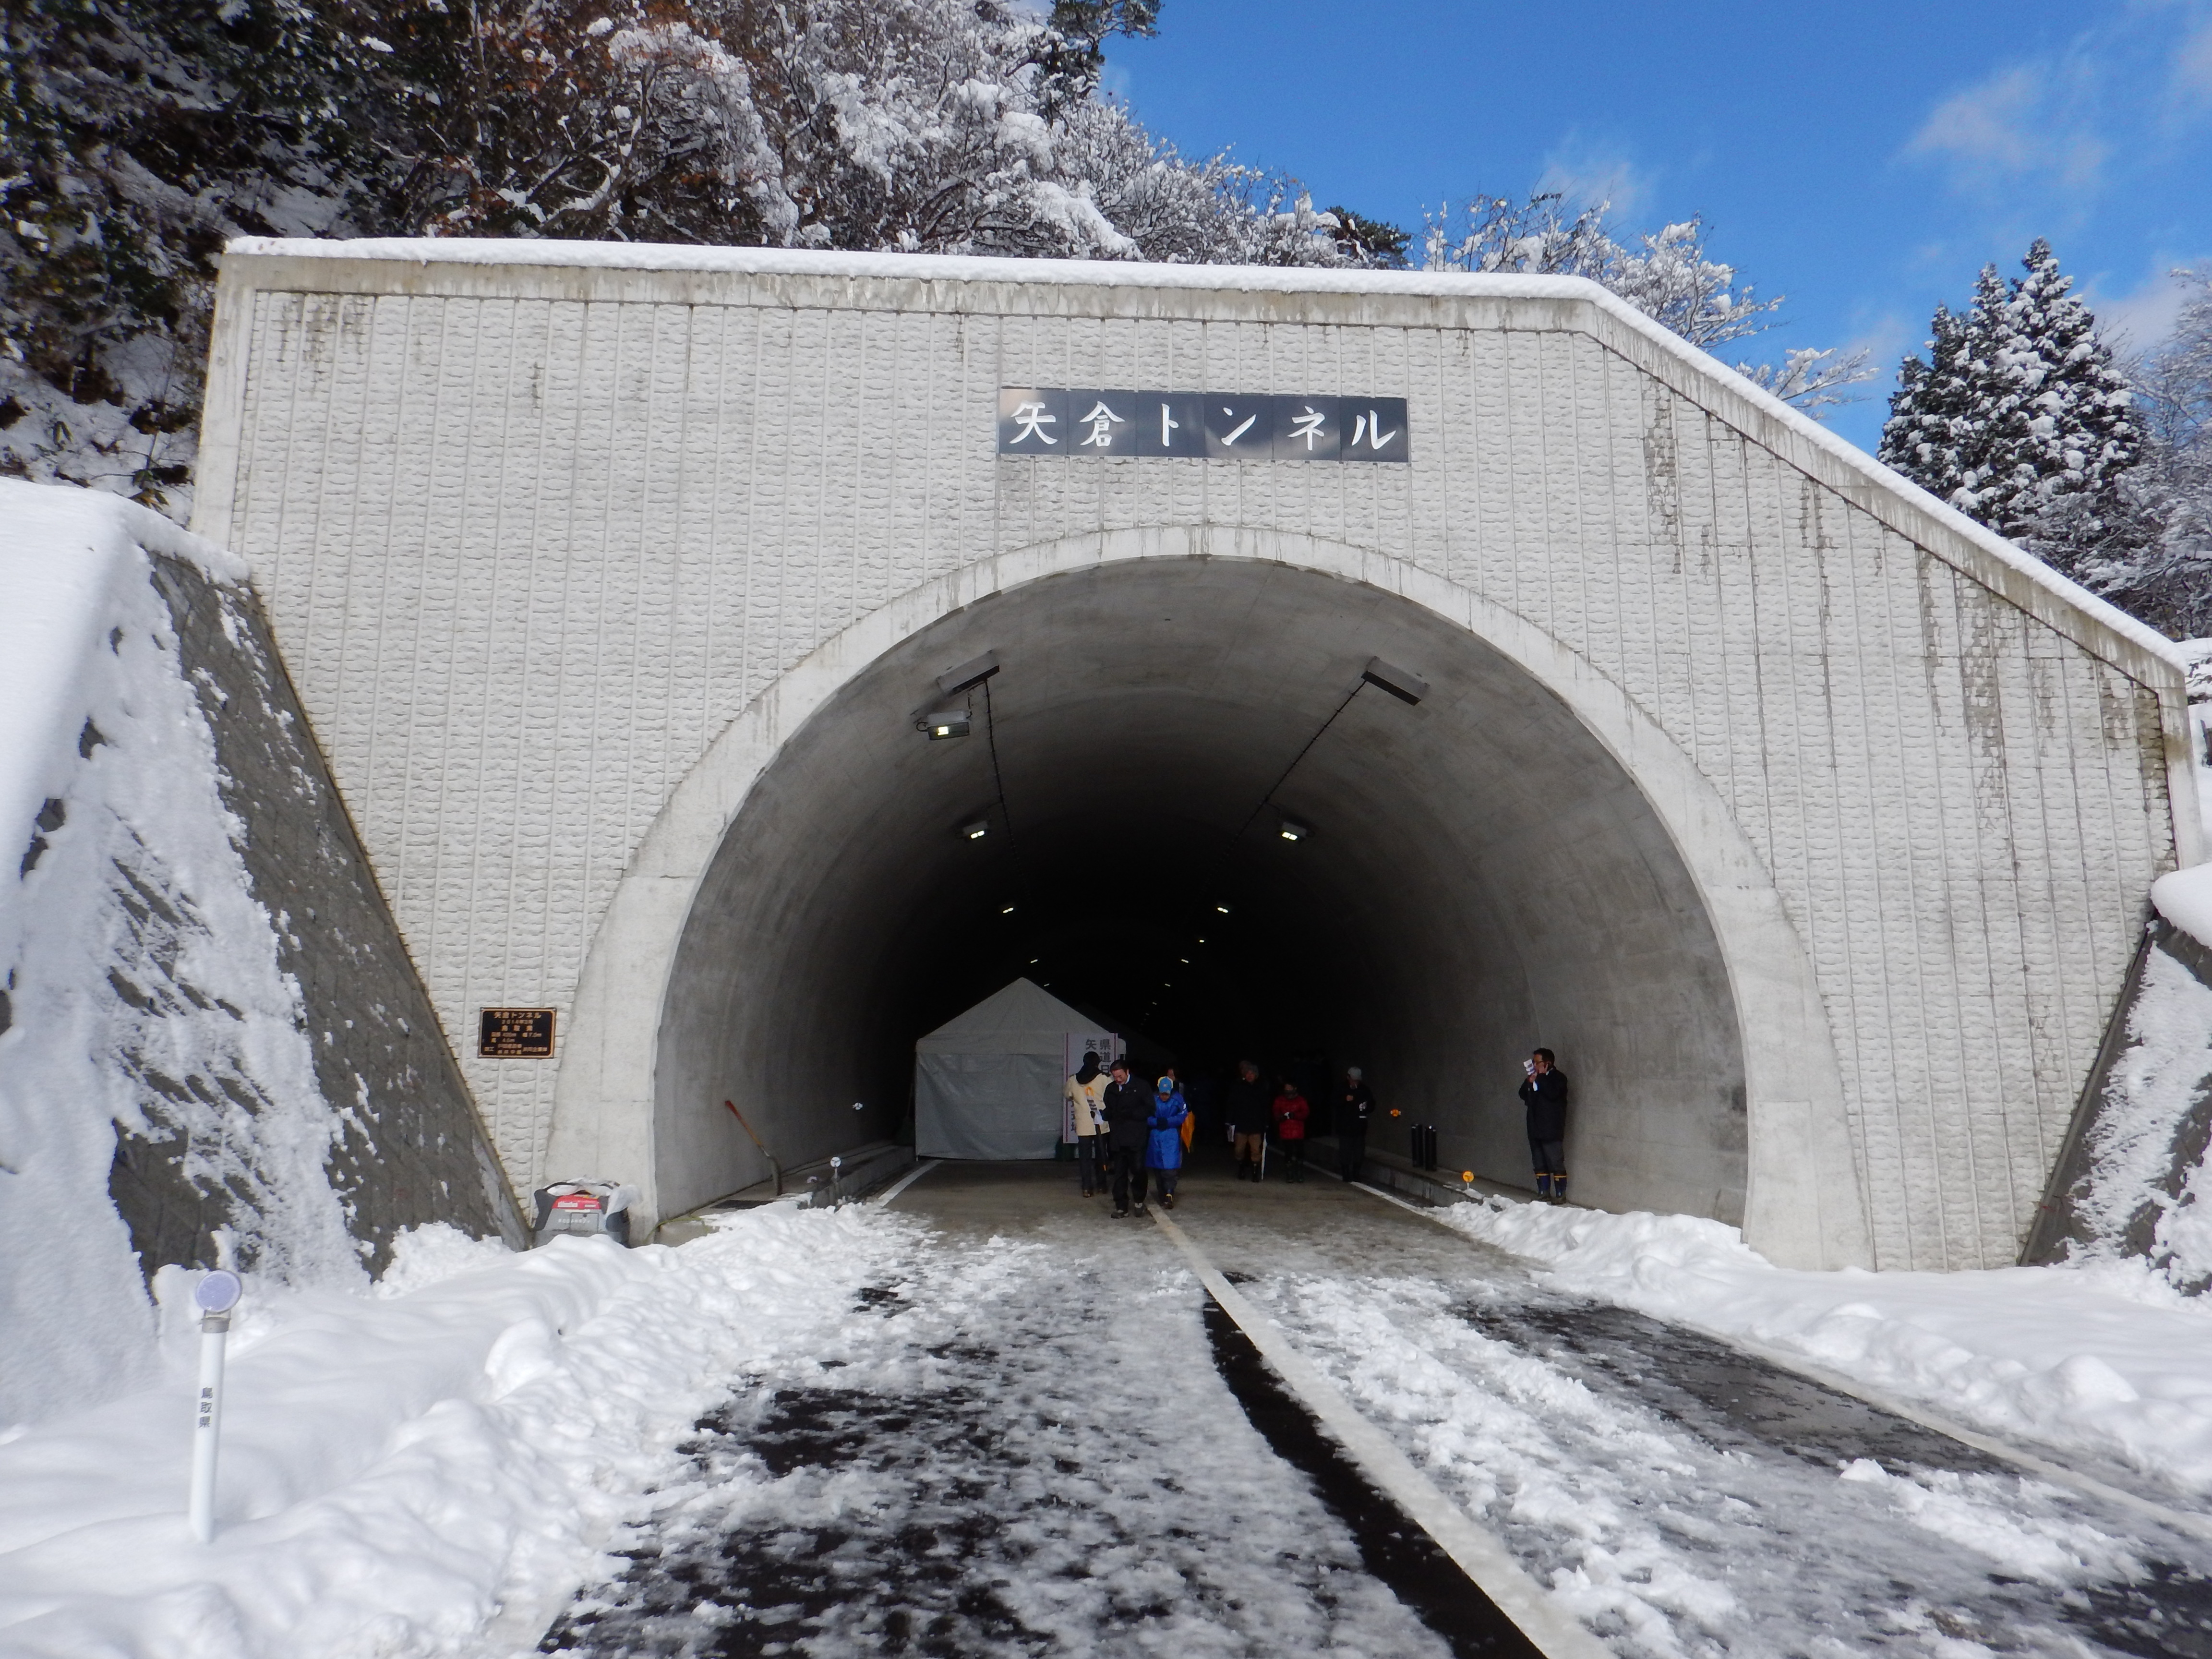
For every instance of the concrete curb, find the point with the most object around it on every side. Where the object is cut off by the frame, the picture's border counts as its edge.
(1480, 1555)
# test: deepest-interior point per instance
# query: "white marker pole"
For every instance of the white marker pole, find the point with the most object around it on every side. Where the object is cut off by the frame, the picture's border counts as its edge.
(216, 1295)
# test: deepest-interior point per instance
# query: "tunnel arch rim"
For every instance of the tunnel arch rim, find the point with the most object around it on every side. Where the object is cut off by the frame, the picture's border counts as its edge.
(1805, 1199)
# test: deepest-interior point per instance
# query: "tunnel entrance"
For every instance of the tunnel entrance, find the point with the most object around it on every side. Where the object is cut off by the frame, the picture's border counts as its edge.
(1473, 873)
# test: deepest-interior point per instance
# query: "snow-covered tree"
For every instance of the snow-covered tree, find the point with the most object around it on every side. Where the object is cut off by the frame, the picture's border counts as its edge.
(928, 125)
(135, 136)
(2020, 418)
(1664, 273)
(2168, 582)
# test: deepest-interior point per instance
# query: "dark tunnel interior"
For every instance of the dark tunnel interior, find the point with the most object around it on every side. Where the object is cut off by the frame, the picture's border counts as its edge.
(1472, 875)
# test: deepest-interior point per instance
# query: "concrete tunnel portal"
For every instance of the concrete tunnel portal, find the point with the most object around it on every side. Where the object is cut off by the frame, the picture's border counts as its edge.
(1477, 874)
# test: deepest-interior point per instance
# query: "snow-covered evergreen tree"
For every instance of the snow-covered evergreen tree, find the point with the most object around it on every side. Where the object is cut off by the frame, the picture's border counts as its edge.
(1927, 423)
(2020, 418)
(1664, 273)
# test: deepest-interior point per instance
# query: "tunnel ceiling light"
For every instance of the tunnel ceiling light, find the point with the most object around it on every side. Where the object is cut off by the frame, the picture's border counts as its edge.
(1291, 831)
(1222, 908)
(976, 831)
(969, 674)
(1006, 909)
(1400, 683)
(947, 723)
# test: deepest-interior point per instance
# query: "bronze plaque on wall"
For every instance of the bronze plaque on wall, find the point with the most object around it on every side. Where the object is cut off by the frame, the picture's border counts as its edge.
(516, 1033)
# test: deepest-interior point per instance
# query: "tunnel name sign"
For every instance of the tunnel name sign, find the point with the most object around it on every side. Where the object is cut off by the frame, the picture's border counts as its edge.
(516, 1033)
(1080, 421)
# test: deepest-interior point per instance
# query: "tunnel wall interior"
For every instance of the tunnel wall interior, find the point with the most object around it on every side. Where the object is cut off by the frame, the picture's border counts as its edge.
(1477, 876)
(541, 526)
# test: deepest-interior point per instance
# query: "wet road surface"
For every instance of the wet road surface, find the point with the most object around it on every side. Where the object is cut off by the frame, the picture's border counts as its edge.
(1043, 1439)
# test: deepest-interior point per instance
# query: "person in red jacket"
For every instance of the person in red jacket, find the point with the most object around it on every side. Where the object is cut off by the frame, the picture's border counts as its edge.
(1290, 1113)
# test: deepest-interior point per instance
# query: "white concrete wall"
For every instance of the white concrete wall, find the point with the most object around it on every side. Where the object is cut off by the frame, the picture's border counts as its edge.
(532, 536)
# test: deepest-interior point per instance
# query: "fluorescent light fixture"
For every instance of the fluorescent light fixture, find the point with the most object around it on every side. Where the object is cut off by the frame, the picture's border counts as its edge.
(1400, 683)
(976, 831)
(1006, 909)
(948, 723)
(1291, 831)
(968, 674)
(1222, 908)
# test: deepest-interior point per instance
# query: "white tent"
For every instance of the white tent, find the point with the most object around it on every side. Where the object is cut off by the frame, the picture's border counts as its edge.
(988, 1084)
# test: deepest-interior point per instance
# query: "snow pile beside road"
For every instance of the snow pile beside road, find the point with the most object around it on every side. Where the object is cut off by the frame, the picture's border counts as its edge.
(2105, 1357)
(430, 1471)
(2184, 898)
(2139, 1192)
(142, 980)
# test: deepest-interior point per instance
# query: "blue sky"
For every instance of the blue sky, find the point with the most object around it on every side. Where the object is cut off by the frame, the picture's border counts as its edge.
(1863, 159)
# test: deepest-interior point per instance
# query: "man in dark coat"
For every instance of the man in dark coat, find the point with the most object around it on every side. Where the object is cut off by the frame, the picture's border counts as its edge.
(1246, 1106)
(1355, 1104)
(1128, 1116)
(1545, 1089)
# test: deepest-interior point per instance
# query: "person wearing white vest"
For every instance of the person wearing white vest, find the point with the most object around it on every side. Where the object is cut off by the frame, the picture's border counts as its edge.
(1086, 1106)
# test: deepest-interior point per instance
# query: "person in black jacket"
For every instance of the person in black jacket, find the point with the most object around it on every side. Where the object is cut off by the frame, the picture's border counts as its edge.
(1129, 1110)
(1247, 1105)
(1355, 1104)
(1545, 1089)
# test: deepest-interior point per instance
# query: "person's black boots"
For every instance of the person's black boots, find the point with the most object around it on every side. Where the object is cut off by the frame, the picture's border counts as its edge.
(1544, 1188)
(1559, 1189)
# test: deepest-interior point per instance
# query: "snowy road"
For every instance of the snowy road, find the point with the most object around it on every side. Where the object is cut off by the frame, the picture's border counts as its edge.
(1037, 1444)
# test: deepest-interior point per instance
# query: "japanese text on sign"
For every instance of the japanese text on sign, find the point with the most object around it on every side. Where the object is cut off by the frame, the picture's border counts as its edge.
(516, 1033)
(1224, 426)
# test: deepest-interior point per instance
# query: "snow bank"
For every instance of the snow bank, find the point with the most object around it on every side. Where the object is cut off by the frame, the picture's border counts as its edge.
(142, 980)
(2103, 1357)
(2140, 1192)
(2184, 898)
(432, 1470)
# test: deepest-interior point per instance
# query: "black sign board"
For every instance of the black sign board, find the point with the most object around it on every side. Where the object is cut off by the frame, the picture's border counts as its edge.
(1086, 421)
(516, 1033)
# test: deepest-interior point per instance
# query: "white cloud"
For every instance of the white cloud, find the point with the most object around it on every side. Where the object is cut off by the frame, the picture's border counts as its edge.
(1586, 172)
(2140, 318)
(2191, 85)
(2022, 122)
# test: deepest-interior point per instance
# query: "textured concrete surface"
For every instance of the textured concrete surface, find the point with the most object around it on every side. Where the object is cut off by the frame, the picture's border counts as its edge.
(413, 1150)
(537, 540)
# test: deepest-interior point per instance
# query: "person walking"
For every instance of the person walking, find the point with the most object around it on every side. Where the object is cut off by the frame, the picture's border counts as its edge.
(1246, 1107)
(1163, 1146)
(1290, 1112)
(1128, 1111)
(1086, 1099)
(1355, 1104)
(1545, 1089)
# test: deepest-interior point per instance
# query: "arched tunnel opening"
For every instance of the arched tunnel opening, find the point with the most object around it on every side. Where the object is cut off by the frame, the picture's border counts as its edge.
(1472, 874)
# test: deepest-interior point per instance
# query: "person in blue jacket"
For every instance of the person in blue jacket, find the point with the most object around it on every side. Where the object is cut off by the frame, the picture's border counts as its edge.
(1164, 1147)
